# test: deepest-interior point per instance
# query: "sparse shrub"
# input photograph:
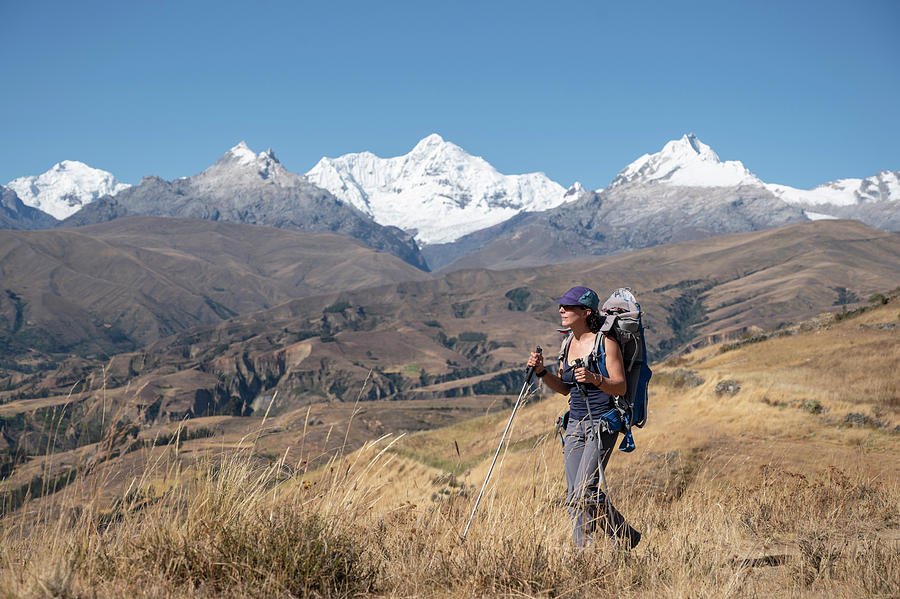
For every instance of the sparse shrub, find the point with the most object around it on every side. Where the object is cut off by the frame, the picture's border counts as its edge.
(472, 337)
(448, 478)
(813, 406)
(774, 403)
(845, 313)
(728, 387)
(433, 323)
(844, 296)
(748, 338)
(336, 307)
(679, 378)
(518, 298)
(861, 420)
(447, 342)
(881, 326)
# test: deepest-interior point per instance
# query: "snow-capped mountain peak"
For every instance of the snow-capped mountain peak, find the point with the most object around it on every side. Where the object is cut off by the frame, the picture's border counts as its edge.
(241, 153)
(241, 165)
(65, 188)
(690, 145)
(686, 162)
(437, 190)
(433, 153)
(428, 143)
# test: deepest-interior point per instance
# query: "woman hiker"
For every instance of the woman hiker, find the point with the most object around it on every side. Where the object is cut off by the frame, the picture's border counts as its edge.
(600, 381)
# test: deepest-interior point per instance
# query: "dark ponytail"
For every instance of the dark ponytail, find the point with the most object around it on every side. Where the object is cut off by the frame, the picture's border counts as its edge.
(594, 322)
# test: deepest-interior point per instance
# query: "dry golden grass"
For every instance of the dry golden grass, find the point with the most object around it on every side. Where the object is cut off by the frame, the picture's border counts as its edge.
(757, 493)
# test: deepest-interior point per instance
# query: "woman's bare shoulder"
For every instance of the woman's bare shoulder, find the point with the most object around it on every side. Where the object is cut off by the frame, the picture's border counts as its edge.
(611, 346)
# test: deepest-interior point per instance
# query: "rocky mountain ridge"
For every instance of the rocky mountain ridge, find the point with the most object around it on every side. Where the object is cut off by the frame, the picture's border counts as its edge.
(15, 214)
(682, 192)
(688, 162)
(619, 219)
(461, 208)
(247, 188)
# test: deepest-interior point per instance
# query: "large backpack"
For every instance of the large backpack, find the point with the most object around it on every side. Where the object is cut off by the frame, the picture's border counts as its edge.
(621, 316)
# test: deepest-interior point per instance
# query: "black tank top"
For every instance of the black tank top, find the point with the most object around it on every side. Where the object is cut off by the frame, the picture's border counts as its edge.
(600, 401)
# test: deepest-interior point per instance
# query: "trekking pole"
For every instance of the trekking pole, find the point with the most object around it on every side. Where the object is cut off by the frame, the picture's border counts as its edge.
(579, 363)
(529, 373)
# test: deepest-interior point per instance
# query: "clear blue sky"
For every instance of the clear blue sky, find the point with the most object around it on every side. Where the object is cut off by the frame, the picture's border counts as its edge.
(801, 92)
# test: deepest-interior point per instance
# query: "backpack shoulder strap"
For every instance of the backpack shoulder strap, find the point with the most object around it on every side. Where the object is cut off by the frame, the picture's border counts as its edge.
(598, 354)
(564, 350)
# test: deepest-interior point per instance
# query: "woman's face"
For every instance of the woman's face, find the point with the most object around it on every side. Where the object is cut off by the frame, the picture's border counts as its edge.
(568, 315)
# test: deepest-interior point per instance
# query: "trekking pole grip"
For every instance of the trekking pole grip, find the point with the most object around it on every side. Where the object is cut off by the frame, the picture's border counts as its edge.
(530, 370)
(579, 363)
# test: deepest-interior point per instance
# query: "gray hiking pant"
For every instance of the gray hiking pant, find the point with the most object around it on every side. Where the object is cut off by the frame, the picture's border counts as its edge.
(587, 504)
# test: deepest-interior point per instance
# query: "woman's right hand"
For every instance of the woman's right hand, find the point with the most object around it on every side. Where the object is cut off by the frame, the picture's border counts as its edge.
(536, 361)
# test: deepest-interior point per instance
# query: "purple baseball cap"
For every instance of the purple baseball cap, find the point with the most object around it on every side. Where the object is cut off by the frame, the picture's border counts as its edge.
(580, 296)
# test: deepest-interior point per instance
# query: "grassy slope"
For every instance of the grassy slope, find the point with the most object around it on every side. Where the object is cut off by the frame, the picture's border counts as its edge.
(768, 491)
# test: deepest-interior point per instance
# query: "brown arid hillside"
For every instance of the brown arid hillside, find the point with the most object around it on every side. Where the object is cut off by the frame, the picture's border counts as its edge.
(70, 297)
(692, 292)
(116, 286)
(767, 468)
(465, 333)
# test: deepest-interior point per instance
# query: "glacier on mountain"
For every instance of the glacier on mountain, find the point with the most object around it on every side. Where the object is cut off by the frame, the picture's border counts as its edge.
(883, 187)
(686, 162)
(437, 190)
(65, 188)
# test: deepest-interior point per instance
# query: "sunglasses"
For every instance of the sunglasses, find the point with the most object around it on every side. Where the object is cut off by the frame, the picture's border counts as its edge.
(571, 308)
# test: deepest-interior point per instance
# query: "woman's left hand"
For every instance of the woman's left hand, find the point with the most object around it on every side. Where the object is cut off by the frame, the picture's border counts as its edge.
(583, 375)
